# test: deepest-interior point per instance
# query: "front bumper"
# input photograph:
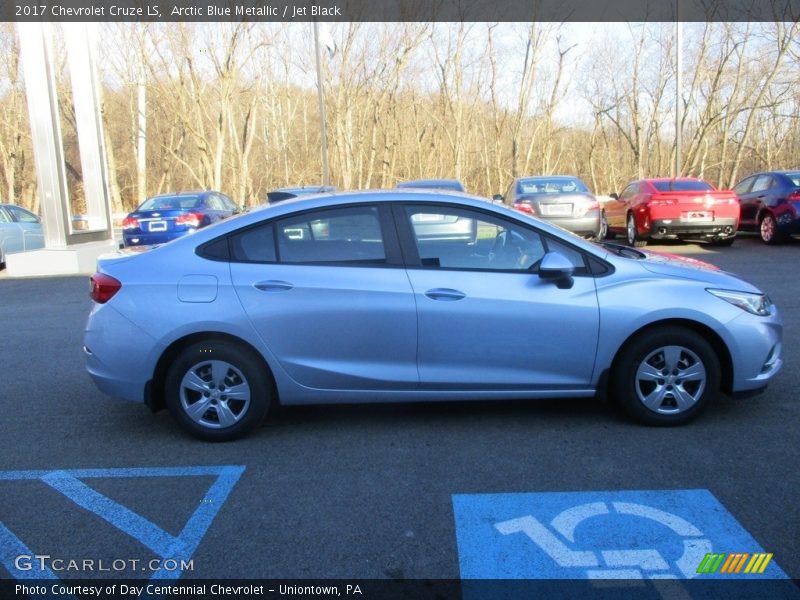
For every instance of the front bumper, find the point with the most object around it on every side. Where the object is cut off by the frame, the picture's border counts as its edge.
(756, 350)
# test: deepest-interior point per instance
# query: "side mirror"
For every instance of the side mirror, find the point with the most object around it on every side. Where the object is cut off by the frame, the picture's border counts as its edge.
(614, 195)
(557, 268)
(498, 198)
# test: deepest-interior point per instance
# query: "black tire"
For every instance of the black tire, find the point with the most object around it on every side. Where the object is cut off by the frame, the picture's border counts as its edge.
(653, 394)
(602, 230)
(633, 237)
(202, 373)
(768, 230)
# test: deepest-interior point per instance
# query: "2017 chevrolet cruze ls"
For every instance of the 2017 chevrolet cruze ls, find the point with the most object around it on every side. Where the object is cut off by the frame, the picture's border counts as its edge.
(367, 297)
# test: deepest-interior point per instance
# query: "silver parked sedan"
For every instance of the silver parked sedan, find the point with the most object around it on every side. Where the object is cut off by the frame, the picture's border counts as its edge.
(361, 297)
(560, 199)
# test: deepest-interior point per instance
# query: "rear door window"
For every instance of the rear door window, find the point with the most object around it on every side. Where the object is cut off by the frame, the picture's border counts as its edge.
(350, 235)
(762, 183)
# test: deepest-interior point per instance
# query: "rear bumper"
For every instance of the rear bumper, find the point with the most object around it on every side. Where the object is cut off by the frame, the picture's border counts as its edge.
(107, 342)
(150, 239)
(675, 228)
(588, 225)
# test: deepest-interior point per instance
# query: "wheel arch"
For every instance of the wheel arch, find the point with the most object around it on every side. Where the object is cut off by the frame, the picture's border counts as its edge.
(763, 210)
(708, 334)
(154, 395)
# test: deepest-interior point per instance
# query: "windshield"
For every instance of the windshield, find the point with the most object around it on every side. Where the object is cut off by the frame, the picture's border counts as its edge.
(682, 185)
(795, 178)
(170, 203)
(556, 185)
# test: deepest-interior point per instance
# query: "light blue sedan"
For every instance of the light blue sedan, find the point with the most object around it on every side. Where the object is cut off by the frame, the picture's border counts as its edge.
(20, 230)
(365, 297)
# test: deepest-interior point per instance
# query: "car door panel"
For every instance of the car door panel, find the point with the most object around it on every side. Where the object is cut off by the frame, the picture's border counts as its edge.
(485, 320)
(362, 322)
(506, 330)
(322, 286)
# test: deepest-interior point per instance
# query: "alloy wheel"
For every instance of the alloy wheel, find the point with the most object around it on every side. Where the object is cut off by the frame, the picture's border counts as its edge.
(670, 380)
(215, 394)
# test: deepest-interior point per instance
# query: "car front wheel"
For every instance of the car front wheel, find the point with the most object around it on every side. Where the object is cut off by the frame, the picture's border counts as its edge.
(666, 376)
(217, 390)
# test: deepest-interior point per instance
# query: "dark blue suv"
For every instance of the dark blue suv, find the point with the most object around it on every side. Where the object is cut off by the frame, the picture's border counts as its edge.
(165, 217)
(770, 204)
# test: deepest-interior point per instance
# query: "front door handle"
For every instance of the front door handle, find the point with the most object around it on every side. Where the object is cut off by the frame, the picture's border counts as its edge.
(446, 294)
(273, 285)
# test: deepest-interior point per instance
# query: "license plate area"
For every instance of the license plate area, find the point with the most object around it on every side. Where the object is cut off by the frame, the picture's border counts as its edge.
(157, 226)
(693, 216)
(556, 210)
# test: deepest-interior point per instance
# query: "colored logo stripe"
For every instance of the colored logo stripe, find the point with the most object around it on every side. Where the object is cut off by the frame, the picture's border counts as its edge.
(733, 563)
(758, 563)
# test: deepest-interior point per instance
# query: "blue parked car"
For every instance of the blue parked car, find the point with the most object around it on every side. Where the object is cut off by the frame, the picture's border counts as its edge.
(770, 204)
(168, 216)
(20, 230)
(354, 297)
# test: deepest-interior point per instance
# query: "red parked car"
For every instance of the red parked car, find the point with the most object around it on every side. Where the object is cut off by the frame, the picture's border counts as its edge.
(669, 209)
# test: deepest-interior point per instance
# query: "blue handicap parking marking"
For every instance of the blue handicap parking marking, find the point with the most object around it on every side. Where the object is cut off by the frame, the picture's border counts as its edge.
(72, 484)
(662, 534)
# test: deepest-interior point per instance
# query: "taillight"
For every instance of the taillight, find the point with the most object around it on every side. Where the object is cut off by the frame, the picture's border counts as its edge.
(794, 196)
(130, 223)
(658, 201)
(523, 207)
(103, 287)
(189, 219)
(582, 209)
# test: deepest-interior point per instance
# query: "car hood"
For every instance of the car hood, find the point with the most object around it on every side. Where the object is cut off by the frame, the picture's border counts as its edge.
(673, 265)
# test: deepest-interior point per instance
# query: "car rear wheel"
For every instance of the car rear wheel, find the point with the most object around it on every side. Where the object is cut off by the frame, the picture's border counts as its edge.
(666, 376)
(769, 230)
(602, 230)
(633, 236)
(217, 390)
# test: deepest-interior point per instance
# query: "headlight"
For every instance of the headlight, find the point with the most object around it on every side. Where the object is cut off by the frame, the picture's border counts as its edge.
(757, 304)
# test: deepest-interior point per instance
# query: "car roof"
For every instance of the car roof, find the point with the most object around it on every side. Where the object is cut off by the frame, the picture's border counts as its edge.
(185, 193)
(432, 183)
(788, 172)
(549, 177)
(306, 189)
(672, 179)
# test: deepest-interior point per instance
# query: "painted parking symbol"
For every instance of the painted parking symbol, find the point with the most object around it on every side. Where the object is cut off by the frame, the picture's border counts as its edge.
(631, 535)
(72, 484)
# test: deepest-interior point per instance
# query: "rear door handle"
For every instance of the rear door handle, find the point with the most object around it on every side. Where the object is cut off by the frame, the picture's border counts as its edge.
(446, 294)
(273, 286)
